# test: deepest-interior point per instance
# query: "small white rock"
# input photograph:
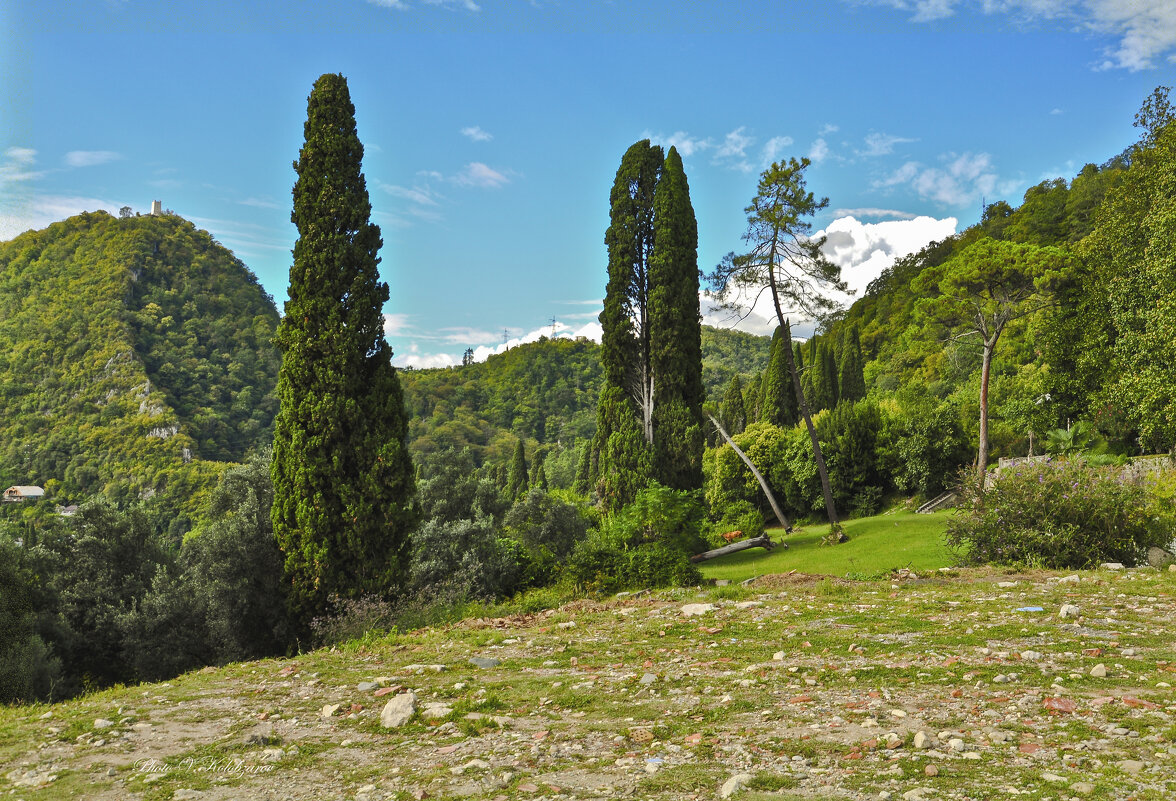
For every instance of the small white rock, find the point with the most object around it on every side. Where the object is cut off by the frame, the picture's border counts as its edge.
(736, 782)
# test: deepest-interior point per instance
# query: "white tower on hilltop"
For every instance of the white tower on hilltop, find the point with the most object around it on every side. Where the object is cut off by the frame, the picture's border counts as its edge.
(156, 208)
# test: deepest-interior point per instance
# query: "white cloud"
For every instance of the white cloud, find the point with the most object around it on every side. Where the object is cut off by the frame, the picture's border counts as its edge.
(774, 147)
(735, 144)
(882, 144)
(402, 5)
(475, 133)
(863, 250)
(818, 151)
(25, 214)
(1145, 30)
(257, 203)
(415, 357)
(893, 214)
(90, 158)
(17, 165)
(963, 179)
(421, 195)
(478, 174)
(686, 144)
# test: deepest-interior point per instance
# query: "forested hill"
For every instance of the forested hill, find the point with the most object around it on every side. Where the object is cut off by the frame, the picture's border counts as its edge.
(133, 353)
(544, 392)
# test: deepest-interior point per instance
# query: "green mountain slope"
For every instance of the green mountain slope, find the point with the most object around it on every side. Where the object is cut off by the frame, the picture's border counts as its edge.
(133, 354)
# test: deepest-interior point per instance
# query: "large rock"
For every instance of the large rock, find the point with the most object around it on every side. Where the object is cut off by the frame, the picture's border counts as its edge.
(691, 610)
(734, 784)
(1158, 557)
(398, 711)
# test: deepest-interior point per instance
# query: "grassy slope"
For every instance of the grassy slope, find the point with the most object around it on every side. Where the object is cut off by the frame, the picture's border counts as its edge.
(876, 545)
(632, 698)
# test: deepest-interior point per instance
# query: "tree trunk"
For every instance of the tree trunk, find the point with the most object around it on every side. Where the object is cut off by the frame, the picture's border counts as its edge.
(755, 472)
(763, 541)
(830, 509)
(982, 457)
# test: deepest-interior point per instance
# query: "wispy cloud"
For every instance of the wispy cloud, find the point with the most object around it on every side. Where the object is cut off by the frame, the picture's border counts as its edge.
(259, 203)
(818, 150)
(963, 179)
(421, 195)
(90, 158)
(686, 144)
(404, 5)
(18, 215)
(478, 174)
(892, 214)
(1145, 30)
(882, 144)
(774, 149)
(476, 134)
(17, 165)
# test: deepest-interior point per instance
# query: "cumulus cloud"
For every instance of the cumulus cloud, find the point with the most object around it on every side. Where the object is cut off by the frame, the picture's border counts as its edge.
(863, 250)
(478, 174)
(1144, 30)
(733, 151)
(963, 179)
(90, 158)
(818, 151)
(476, 134)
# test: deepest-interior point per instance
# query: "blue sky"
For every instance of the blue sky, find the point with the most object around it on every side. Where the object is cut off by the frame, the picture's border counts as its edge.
(493, 129)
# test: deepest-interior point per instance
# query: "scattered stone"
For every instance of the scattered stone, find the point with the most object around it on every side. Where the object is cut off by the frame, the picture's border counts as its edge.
(262, 734)
(778, 656)
(1031, 656)
(330, 709)
(922, 741)
(568, 624)
(1068, 610)
(749, 604)
(956, 744)
(648, 678)
(693, 610)
(1158, 557)
(1072, 579)
(1099, 671)
(398, 711)
(1054, 778)
(931, 770)
(1082, 788)
(739, 780)
(1131, 766)
(186, 794)
(436, 710)
(103, 723)
(1112, 566)
(366, 686)
(484, 662)
(917, 794)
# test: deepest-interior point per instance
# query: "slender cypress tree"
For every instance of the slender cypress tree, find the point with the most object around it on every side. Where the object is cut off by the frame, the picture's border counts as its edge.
(344, 489)
(850, 378)
(537, 468)
(806, 379)
(823, 373)
(751, 396)
(675, 333)
(732, 413)
(624, 424)
(777, 400)
(516, 482)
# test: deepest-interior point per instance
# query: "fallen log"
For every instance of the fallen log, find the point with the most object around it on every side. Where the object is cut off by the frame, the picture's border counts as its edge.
(763, 541)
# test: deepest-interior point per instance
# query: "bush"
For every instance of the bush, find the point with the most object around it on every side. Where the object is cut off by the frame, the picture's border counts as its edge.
(738, 516)
(1062, 515)
(658, 514)
(597, 566)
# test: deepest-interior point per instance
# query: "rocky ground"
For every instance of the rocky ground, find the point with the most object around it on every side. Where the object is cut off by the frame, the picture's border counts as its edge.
(961, 685)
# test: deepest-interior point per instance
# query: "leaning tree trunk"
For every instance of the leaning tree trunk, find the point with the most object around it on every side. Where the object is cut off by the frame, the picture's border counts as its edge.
(982, 457)
(755, 542)
(755, 472)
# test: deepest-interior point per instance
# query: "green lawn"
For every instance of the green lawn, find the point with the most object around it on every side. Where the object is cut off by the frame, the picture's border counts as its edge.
(876, 544)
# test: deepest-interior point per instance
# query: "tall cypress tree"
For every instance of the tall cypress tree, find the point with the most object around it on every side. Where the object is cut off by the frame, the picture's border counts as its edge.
(675, 332)
(732, 412)
(624, 417)
(777, 400)
(823, 374)
(344, 488)
(751, 396)
(516, 482)
(850, 378)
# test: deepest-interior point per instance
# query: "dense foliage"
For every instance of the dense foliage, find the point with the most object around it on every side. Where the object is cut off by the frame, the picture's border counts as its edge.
(132, 352)
(1064, 514)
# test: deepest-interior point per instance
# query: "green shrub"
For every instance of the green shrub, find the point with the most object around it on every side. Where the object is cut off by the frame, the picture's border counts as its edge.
(740, 515)
(1062, 515)
(597, 566)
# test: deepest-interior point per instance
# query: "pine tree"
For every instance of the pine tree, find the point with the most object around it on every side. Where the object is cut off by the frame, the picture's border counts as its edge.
(850, 378)
(516, 481)
(777, 400)
(732, 413)
(344, 487)
(675, 333)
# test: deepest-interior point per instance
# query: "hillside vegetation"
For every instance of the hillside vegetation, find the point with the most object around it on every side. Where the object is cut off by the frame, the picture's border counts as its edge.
(134, 355)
